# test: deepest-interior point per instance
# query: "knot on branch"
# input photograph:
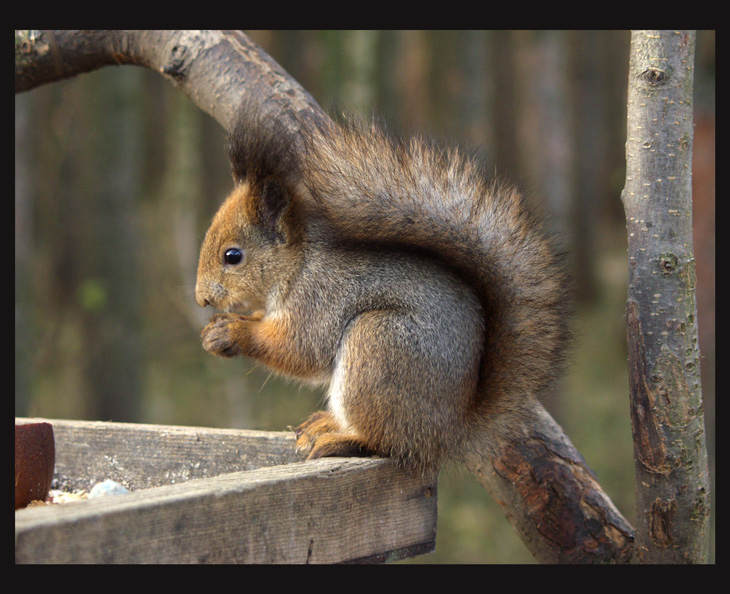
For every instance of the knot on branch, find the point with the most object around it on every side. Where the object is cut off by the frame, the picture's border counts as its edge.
(654, 77)
(177, 64)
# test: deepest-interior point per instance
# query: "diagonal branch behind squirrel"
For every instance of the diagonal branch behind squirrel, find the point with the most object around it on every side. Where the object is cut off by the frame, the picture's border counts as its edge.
(423, 296)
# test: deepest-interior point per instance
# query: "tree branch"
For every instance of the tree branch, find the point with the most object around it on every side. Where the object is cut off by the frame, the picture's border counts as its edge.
(672, 480)
(549, 493)
(542, 482)
(214, 68)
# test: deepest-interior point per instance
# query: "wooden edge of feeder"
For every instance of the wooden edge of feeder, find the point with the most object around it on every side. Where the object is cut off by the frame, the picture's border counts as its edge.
(332, 510)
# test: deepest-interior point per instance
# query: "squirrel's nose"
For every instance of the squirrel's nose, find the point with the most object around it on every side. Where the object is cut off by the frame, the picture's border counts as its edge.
(200, 299)
(209, 293)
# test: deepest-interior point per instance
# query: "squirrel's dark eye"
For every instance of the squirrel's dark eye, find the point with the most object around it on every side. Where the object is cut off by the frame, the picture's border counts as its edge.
(233, 256)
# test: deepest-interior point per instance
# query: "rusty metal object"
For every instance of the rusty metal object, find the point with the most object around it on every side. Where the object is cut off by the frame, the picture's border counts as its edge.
(35, 457)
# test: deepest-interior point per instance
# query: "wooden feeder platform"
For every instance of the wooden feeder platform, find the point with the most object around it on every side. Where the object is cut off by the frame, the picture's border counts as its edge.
(204, 495)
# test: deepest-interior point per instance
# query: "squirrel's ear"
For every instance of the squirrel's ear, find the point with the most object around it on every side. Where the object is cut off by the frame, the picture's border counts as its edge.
(273, 203)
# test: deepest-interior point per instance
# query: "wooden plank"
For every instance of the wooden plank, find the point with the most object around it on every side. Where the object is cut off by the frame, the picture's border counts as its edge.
(220, 496)
(140, 456)
(322, 511)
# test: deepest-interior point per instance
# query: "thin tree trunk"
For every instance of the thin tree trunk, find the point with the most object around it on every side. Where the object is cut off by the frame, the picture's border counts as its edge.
(672, 481)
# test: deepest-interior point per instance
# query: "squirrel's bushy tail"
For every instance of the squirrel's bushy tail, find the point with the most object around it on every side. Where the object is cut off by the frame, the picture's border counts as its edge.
(372, 188)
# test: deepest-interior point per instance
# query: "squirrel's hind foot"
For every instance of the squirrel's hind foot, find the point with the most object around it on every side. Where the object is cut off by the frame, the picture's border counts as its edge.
(323, 437)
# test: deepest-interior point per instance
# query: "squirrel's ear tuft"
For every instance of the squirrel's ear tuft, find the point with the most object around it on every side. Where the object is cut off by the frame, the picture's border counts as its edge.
(273, 203)
(260, 147)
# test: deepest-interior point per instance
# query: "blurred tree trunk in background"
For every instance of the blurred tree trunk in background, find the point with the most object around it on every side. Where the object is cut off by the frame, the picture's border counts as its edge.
(506, 156)
(544, 128)
(24, 225)
(475, 90)
(588, 131)
(112, 333)
(359, 71)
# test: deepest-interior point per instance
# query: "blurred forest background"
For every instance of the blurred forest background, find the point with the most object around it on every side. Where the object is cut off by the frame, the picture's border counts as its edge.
(117, 175)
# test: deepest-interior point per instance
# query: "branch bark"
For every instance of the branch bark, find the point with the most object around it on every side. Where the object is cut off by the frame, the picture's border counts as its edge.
(550, 495)
(540, 479)
(672, 481)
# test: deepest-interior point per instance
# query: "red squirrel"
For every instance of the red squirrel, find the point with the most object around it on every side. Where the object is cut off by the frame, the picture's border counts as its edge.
(423, 296)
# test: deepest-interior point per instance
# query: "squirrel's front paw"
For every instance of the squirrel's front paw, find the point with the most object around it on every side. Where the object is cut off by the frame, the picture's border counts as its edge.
(222, 335)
